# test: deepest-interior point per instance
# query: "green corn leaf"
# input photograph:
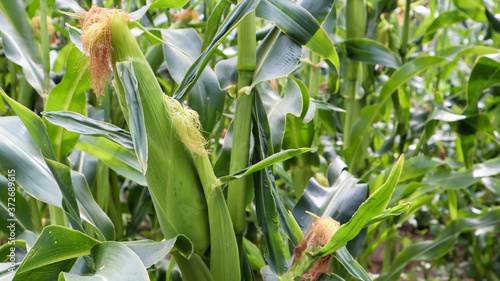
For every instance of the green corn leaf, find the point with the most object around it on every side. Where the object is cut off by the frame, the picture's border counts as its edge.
(484, 74)
(296, 22)
(90, 210)
(115, 156)
(374, 205)
(340, 200)
(265, 200)
(473, 8)
(352, 266)
(80, 124)
(269, 161)
(68, 95)
(391, 212)
(150, 252)
(444, 242)
(113, 261)
(168, 3)
(34, 124)
(371, 51)
(22, 213)
(19, 43)
(16, 141)
(445, 19)
(214, 22)
(61, 173)
(55, 250)
(278, 107)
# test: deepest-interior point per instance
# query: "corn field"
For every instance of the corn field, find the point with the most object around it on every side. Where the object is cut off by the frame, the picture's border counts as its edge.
(230, 140)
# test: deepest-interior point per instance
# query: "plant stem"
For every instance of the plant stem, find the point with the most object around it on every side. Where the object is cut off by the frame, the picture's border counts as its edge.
(406, 31)
(356, 17)
(314, 74)
(44, 38)
(241, 123)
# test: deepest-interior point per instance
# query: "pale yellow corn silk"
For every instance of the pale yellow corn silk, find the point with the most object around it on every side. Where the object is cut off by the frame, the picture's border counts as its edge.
(188, 126)
(96, 41)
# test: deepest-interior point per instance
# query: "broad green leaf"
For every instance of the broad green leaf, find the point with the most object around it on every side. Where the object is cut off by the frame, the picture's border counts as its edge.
(493, 185)
(168, 3)
(319, 9)
(277, 56)
(444, 242)
(266, 201)
(269, 161)
(55, 250)
(113, 261)
(232, 20)
(19, 253)
(214, 21)
(90, 210)
(278, 107)
(494, 22)
(445, 19)
(272, 61)
(473, 8)
(484, 74)
(75, 36)
(136, 120)
(352, 266)
(452, 180)
(488, 168)
(442, 113)
(370, 113)
(150, 252)
(68, 95)
(80, 124)
(296, 22)
(20, 152)
(68, 4)
(19, 43)
(391, 212)
(21, 214)
(370, 51)
(34, 124)
(418, 166)
(473, 125)
(340, 200)
(227, 75)
(61, 173)
(205, 96)
(374, 205)
(118, 158)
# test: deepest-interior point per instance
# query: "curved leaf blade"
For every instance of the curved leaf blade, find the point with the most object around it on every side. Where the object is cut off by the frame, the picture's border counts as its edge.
(296, 22)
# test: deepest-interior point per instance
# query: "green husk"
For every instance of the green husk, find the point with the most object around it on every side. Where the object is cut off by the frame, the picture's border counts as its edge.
(171, 175)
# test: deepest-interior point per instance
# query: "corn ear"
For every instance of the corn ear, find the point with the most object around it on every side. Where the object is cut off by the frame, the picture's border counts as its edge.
(171, 175)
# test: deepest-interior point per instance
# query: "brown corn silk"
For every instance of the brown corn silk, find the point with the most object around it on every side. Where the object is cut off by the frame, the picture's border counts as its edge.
(96, 41)
(318, 235)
